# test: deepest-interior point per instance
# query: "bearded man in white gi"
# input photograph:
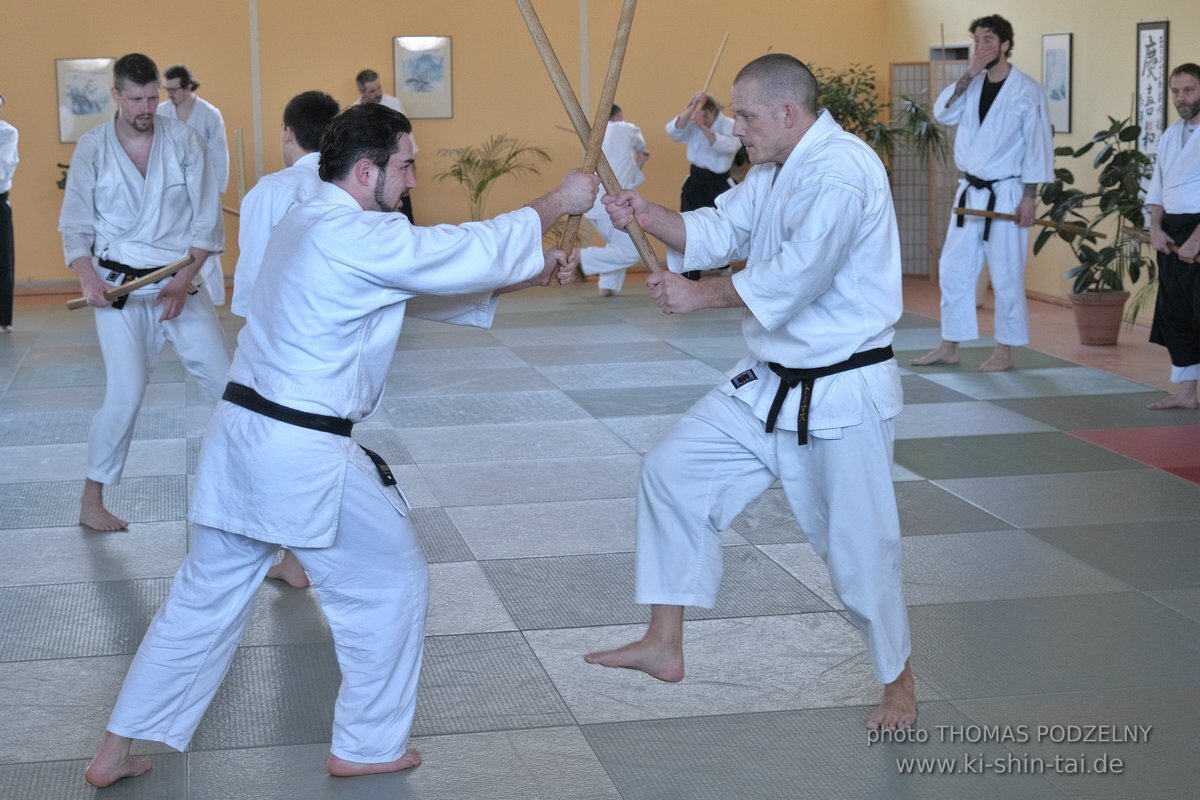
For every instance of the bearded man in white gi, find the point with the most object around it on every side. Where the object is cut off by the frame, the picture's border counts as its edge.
(278, 466)
(821, 291)
(625, 149)
(204, 118)
(1174, 201)
(711, 148)
(1003, 146)
(139, 195)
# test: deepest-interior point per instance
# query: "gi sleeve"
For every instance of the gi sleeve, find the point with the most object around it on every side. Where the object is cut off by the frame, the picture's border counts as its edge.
(218, 151)
(207, 230)
(948, 114)
(77, 217)
(1038, 164)
(716, 236)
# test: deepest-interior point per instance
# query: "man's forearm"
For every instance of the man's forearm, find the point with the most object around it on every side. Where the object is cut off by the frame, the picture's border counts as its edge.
(960, 88)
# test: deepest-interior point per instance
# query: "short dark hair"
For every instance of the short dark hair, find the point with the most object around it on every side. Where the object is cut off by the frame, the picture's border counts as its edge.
(365, 77)
(616, 109)
(367, 130)
(997, 25)
(183, 74)
(711, 105)
(780, 76)
(1187, 69)
(308, 114)
(136, 69)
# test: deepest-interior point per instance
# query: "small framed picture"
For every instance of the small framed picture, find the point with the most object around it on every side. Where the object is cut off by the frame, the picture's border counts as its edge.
(1056, 78)
(424, 76)
(84, 95)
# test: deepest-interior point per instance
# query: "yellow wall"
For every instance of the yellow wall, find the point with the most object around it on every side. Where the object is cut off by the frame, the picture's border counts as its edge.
(500, 85)
(1103, 68)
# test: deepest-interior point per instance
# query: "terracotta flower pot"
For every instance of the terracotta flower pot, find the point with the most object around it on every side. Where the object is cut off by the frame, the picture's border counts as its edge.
(1098, 316)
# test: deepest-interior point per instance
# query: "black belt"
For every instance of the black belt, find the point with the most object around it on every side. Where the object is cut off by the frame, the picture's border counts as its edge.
(126, 272)
(246, 397)
(789, 378)
(980, 183)
(701, 172)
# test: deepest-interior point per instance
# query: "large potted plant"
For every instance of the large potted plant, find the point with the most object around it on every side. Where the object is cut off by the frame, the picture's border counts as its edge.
(1105, 267)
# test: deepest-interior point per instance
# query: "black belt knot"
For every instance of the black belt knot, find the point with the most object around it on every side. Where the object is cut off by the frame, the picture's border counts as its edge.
(247, 398)
(979, 183)
(128, 273)
(790, 378)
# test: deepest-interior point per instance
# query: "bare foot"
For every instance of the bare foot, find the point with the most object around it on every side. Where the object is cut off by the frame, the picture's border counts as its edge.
(93, 514)
(113, 762)
(664, 663)
(898, 711)
(1177, 400)
(290, 571)
(1000, 360)
(340, 768)
(606, 292)
(944, 353)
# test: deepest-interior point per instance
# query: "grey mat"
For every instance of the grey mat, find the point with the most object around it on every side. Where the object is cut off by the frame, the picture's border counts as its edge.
(438, 535)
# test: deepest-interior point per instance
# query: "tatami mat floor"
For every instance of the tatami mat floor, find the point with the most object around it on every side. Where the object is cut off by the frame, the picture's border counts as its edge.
(1052, 567)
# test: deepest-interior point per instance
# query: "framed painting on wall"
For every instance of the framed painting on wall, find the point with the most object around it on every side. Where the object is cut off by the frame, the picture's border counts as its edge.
(1151, 84)
(84, 96)
(1056, 78)
(424, 76)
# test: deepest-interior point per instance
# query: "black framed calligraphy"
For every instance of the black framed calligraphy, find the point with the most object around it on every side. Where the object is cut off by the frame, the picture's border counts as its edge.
(1151, 101)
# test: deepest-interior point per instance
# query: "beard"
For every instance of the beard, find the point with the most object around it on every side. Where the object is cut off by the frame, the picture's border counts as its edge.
(993, 62)
(1188, 111)
(379, 197)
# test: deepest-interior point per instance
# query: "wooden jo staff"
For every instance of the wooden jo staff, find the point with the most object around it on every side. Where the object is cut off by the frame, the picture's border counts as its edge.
(145, 280)
(608, 94)
(1143, 236)
(558, 77)
(716, 60)
(1066, 227)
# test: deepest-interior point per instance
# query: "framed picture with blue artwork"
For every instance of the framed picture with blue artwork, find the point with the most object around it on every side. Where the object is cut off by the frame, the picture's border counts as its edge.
(424, 76)
(1056, 78)
(84, 95)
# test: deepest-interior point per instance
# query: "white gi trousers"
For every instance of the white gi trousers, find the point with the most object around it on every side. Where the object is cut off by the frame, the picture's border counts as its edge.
(131, 340)
(611, 260)
(963, 256)
(718, 457)
(373, 584)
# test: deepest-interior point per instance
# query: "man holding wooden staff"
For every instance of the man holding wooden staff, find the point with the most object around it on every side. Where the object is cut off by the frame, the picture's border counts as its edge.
(1003, 147)
(278, 466)
(1174, 201)
(813, 402)
(140, 193)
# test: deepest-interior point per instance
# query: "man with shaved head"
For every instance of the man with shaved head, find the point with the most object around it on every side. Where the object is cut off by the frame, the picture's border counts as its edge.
(811, 405)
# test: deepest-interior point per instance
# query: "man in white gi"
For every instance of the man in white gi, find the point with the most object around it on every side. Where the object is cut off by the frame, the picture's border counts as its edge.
(626, 152)
(304, 120)
(1174, 200)
(821, 290)
(140, 195)
(205, 118)
(1003, 146)
(370, 90)
(711, 148)
(8, 165)
(278, 466)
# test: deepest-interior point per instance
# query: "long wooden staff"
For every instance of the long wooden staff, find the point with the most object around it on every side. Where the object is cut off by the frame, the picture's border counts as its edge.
(137, 283)
(591, 154)
(1143, 236)
(716, 60)
(575, 113)
(1066, 227)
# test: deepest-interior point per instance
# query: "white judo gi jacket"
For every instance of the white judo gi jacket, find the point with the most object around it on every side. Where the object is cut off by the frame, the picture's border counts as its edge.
(1014, 139)
(263, 206)
(822, 279)
(322, 330)
(137, 221)
(207, 121)
(1175, 182)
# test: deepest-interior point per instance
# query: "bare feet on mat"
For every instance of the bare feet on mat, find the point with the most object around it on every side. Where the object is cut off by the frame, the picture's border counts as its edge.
(290, 571)
(1177, 400)
(898, 710)
(664, 663)
(944, 353)
(113, 762)
(341, 768)
(1000, 360)
(93, 514)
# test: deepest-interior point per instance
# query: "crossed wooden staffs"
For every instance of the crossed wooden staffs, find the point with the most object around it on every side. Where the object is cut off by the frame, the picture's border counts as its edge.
(591, 136)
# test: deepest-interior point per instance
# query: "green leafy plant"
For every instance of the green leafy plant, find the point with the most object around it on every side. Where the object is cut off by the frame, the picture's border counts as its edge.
(478, 167)
(852, 98)
(1115, 203)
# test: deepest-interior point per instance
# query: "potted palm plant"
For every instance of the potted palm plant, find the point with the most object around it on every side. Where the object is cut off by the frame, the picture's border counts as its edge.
(477, 167)
(1109, 257)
